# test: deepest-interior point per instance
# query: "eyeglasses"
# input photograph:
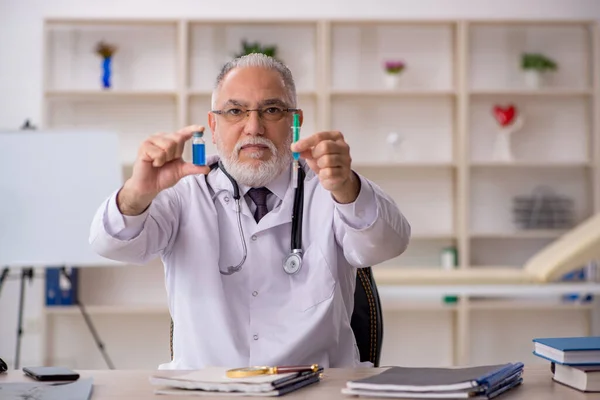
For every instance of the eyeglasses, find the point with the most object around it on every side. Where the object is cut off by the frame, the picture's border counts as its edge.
(270, 113)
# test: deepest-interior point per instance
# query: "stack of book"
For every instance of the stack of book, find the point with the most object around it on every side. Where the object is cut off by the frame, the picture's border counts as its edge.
(214, 381)
(481, 382)
(574, 361)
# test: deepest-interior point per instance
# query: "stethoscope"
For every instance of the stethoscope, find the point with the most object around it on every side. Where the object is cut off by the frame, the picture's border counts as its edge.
(293, 262)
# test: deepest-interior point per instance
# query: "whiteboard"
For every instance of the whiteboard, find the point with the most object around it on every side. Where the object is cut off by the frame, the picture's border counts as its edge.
(51, 184)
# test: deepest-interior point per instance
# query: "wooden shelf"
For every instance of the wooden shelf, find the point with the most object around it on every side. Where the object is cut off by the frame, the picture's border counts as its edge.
(109, 310)
(527, 92)
(95, 94)
(535, 305)
(531, 234)
(392, 92)
(400, 165)
(530, 164)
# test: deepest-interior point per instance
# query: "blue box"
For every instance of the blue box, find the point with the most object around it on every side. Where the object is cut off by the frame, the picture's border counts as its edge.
(59, 291)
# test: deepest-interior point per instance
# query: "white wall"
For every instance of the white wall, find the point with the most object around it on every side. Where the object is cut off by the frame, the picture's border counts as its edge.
(21, 69)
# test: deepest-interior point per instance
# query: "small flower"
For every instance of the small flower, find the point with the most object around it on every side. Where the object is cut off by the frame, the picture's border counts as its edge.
(105, 50)
(394, 66)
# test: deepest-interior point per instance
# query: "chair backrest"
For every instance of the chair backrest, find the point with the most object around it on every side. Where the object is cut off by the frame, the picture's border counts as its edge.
(367, 318)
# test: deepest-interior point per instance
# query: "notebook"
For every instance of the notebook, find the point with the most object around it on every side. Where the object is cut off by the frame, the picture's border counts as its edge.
(213, 381)
(480, 382)
(583, 350)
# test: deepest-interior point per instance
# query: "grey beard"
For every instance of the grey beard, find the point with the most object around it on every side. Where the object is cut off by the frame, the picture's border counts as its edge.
(266, 172)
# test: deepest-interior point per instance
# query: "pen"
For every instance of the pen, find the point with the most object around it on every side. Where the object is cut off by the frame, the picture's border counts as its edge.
(296, 155)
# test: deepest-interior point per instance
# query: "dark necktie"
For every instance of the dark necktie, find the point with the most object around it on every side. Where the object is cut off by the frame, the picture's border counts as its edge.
(259, 197)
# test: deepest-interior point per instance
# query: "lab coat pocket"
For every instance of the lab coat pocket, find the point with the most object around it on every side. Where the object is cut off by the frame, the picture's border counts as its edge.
(314, 283)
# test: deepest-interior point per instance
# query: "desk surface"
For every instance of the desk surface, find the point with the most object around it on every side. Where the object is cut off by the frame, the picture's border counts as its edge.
(134, 385)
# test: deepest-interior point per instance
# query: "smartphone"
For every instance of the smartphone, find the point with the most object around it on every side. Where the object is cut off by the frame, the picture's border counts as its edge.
(51, 373)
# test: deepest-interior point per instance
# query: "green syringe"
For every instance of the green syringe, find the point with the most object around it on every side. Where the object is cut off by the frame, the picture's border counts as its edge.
(296, 155)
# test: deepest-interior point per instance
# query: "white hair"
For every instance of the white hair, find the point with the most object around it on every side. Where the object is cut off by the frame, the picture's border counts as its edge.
(262, 61)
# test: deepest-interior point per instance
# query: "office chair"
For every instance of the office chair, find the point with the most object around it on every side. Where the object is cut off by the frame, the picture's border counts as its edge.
(367, 318)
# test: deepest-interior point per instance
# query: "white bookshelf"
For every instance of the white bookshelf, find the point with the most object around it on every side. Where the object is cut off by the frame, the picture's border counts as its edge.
(442, 174)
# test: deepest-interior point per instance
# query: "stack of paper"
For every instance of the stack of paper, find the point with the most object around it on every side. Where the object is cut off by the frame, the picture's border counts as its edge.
(482, 382)
(214, 381)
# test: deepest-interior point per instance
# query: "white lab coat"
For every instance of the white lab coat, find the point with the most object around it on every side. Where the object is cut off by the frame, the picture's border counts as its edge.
(259, 315)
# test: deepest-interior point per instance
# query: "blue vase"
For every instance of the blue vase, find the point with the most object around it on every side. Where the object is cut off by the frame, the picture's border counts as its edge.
(106, 72)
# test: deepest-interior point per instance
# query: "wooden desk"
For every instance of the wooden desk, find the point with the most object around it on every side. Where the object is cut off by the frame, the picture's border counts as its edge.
(134, 385)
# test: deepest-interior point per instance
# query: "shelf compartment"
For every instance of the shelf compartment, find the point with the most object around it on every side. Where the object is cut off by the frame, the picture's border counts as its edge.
(508, 251)
(359, 51)
(493, 191)
(413, 193)
(423, 127)
(555, 130)
(214, 44)
(495, 54)
(146, 58)
(134, 121)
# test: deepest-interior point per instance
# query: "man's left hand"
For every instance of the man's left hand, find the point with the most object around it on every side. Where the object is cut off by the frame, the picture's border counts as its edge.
(328, 155)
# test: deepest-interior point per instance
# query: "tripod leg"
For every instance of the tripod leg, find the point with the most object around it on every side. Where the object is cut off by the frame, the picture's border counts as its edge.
(88, 321)
(25, 273)
(3, 276)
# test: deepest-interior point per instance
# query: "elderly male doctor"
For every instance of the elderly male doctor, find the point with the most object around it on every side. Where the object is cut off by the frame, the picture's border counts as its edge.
(186, 214)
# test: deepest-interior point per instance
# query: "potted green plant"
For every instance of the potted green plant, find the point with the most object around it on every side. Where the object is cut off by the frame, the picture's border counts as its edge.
(534, 66)
(393, 69)
(256, 47)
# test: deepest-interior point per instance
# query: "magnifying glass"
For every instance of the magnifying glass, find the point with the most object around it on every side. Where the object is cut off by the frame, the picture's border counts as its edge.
(254, 371)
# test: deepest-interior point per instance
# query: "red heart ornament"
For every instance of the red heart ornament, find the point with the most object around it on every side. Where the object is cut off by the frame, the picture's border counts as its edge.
(505, 116)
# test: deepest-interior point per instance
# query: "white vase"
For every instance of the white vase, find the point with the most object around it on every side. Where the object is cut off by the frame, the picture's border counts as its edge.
(533, 79)
(502, 151)
(392, 80)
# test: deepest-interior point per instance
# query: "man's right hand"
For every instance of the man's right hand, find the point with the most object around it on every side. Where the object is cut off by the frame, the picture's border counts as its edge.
(159, 165)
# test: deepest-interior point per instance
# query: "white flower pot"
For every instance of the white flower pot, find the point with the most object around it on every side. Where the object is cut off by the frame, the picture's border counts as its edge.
(533, 79)
(392, 80)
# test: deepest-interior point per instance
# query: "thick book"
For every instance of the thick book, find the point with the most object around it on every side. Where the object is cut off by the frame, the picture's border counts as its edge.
(479, 382)
(583, 350)
(583, 378)
(213, 381)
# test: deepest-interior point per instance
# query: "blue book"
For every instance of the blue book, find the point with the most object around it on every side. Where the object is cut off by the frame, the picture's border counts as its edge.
(584, 350)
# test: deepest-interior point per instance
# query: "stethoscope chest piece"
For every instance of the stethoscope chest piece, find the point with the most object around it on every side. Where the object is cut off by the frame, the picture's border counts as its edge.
(292, 263)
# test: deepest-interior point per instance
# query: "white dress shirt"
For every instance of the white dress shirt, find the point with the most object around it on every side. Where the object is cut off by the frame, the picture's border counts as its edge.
(259, 315)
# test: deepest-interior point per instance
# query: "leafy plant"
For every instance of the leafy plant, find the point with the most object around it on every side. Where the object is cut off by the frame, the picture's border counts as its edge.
(256, 47)
(105, 50)
(539, 62)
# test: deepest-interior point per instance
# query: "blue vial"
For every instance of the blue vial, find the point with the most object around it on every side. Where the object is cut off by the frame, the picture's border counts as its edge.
(198, 149)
